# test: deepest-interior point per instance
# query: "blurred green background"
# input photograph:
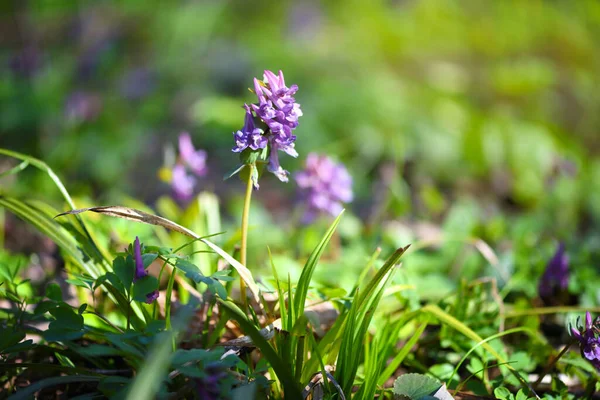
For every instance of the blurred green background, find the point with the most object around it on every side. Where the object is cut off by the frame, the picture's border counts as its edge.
(482, 116)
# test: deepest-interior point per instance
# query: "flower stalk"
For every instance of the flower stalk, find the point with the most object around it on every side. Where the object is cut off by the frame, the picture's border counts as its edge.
(245, 217)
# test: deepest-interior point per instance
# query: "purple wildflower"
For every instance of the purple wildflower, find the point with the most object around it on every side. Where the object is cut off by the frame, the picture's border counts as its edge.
(190, 160)
(278, 110)
(194, 159)
(140, 271)
(137, 83)
(556, 276)
(324, 186)
(249, 136)
(83, 106)
(26, 62)
(182, 183)
(589, 343)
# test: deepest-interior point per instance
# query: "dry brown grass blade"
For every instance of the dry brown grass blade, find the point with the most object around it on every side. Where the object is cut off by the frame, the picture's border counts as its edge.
(143, 217)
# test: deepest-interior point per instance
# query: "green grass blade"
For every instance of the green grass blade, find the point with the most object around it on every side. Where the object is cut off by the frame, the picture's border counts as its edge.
(488, 339)
(452, 322)
(152, 374)
(397, 360)
(309, 268)
(280, 367)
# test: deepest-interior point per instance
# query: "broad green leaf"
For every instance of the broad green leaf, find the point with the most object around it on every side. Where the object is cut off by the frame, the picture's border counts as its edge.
(143, 287)
(416, 386)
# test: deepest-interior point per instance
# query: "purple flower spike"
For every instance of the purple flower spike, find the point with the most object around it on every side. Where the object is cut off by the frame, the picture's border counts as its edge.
(194, 159)
(278, 110)
(140, 271)
(182, 183)
(556, 277)
(249, 136)
(324, 186)
(589, 344)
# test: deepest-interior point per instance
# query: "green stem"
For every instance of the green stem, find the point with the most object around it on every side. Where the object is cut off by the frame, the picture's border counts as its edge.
(244, 247)
(168, 299)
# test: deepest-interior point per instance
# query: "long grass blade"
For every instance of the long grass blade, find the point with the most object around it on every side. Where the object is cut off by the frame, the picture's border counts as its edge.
(452, 322)
(280, 367)
(309, 269)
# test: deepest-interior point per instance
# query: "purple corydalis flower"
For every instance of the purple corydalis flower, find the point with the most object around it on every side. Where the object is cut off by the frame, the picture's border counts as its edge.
(140, 271)
(194, 159)
(250, 136)
(190, 160)
(588, 342)
(83, 106)
(556, 275)
(182, 183)
(324, 186)
(278, 110)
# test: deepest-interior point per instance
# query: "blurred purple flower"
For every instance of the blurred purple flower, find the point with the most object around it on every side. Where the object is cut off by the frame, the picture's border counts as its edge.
(209, 387)
(182, 183)
(249, 136)
(190, 160)
(26, 62)
(324, 186)
(83, 106)
(140, 271)
(137, 83)
(556, 275)
(588, 342)
(194, 159)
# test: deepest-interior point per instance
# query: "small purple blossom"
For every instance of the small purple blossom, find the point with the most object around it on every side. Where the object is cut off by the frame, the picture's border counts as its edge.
(140, 271)
(589, 343)
(324, 186)
(26, 62)
(83, 106)
(182, 183)
(194, 159)
(556, 275)
(190, 162)
(250, 136)
(278, 110)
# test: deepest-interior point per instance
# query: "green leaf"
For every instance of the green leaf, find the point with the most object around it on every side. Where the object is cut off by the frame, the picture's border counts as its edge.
(148, 258)
(181, 356)
(9, 337)
(143, 287)
(190, 270)
(503, 393)
(82, 309)
(233, 172)
(124, 269)
(53, 292)
(66, 318)
(416, 386)
(279, 366)
(309, 268)
(29, 391)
